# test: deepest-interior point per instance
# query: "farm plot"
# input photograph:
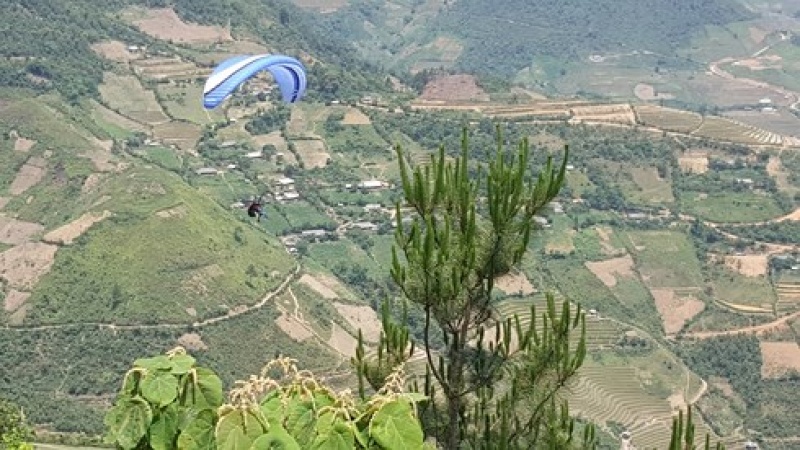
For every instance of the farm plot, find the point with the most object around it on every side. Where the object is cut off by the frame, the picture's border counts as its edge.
(743, 292)
(113, 123)
(694, 162)
(600, 333)
(169, 68)
(126, 95)
(312, 153)
(731, 207)
(183, 101)
(787, 289)
(668, 119)
(164, 24)
(114, 51)
(676, 307)
(653, 188)
(724, 129)
(780, 358)
(665, 259)
(183, 135)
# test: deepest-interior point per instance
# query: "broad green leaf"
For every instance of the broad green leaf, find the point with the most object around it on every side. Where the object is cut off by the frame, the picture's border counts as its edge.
(239, 421)
(128, 421)
(300, 419)
(160, 388)
(276, 439)
(164, 429)
(340, 437)
(199, 434)
(272, 409)
(182, 364)
(394, 427)
(235, 440)
(208, 388)
(130, 383)
(322, 399)
(159, 362)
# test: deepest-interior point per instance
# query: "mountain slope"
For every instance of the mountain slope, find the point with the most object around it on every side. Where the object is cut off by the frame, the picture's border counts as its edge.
(501, 38)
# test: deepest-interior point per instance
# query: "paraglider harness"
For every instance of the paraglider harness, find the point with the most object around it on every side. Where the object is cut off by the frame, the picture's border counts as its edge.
(255, 210)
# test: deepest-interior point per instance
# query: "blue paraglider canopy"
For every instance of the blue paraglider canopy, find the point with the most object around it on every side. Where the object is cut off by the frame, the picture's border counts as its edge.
(288, 72)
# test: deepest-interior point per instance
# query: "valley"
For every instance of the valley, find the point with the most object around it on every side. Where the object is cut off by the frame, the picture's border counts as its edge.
(122, 232)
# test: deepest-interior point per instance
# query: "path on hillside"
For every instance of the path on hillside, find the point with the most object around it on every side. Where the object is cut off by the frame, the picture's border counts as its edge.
(765, 327)
(238, 311)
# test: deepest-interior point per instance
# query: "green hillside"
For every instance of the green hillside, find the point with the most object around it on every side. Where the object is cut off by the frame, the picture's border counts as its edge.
(113, 246)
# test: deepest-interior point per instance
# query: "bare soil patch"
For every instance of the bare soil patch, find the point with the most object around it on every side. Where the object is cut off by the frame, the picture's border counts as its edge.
(453, 88)
(184, 135)
(91, 182)
(354, 116)
(606, 270)
(312, 152)
(29, 175)
(15, 232)
(192, 342)
(318, 287)
(675, 311)
(15, 299)
(164, 23)
(793, 216)
(748, 265)
(605, 241)
(293, 327)
(775, 170)
(23, 265)
(361, 317)
(23, 145)
(196, 283)
(761, 62)
(176, 211)
(514, 283)
(342, 341)
(648, 92)
(4, 201)
(779, 358)
(100, 155)
(693, 163)
(757, 34)
(114, 51)
(67, 234)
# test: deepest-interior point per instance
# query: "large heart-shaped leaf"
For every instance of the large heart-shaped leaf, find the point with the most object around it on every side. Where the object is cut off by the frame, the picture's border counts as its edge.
(128, 421)
(340, 437)
(394, 427)
(182, 364)
(207, 389)
(164, 429)
(276, 439)
(160, 388)
(199, 433)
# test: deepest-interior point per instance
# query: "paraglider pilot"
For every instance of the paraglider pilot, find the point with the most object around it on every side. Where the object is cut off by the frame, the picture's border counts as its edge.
(255, 210)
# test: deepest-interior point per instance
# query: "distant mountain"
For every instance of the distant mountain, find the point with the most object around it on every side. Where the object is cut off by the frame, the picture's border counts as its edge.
(503, 37)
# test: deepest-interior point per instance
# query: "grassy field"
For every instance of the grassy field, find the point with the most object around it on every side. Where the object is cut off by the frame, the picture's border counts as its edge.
(126, 95)
(668, 118)
(665, 259)
(730, 207)
(737, 289)
(184, 101)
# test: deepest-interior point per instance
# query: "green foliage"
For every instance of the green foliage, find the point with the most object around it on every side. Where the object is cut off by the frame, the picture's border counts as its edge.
(445, 262)
(167, 403)
(14, 431)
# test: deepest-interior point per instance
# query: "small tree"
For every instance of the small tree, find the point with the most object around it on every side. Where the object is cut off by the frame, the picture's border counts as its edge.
(472, 224)
(14, 431)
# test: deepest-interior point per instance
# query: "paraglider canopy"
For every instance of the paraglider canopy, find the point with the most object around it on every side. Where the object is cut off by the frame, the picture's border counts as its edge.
(288, 72)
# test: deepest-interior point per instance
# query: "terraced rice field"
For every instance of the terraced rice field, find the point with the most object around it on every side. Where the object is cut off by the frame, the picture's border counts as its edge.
(668, 119)
(788, 296)
(600, 333)
(729, 130)
(603, 393)
(169, 69)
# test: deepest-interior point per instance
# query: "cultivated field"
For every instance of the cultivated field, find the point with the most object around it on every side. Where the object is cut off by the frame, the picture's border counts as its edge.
(126, 95)
(780, 358)
(312, 152)
(787, 289)
(676, 307)
(724, 129)
(668, 119)
(165, 24)
(454, 88)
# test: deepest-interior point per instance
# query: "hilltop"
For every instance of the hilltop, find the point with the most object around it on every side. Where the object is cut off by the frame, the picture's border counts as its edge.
(122, 231)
